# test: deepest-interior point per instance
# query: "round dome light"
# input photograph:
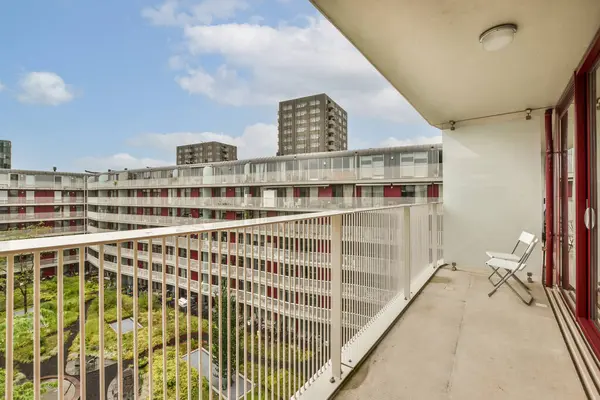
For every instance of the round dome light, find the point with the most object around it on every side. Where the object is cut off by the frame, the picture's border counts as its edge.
(498, 37)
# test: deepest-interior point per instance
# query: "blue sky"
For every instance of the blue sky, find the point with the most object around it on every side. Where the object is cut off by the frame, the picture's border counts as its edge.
(114, 84)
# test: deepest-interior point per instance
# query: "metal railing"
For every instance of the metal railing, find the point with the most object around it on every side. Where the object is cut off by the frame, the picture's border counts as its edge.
(47, 216)
(418, 172)
(300, 203)
(22, 184)
(42, 200)
(332, 283)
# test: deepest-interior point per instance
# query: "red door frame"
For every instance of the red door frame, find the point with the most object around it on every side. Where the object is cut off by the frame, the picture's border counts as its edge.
(579, 89)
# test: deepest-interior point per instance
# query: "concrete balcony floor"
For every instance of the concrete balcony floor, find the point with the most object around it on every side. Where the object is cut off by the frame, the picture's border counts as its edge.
(454, 342)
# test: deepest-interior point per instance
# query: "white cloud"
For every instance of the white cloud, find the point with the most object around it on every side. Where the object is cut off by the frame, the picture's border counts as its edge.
(44, 88)
(178, 12)
(2, 87)
(118, 162)
(257, 140)
(261, 65)
(394, 142)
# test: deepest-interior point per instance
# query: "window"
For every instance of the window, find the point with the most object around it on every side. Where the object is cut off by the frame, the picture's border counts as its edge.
(315, 102)
(314, 110)
(314, 144)
(301, 129)
(300, 113)
(314, 135)
(315, 119)
(300, 105)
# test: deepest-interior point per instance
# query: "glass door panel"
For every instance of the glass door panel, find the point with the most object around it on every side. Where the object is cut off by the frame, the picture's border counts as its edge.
(566, 210)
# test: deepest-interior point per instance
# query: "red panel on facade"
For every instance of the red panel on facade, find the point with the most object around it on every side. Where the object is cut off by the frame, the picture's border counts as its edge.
(49, 271)
(230, 192)
(164, 212)
(43, 209)
(164, 192)
(296, 192)
(232, 237)
(194, 254)
(195, 192)
(43, 193)
(230, 215)
(195, 213)
(21, 193)
(392, 191)
(140, 211)
(358, 191)
(233, 284)
(271, 213)
(325, 191)
(194, 275)
(140, 193)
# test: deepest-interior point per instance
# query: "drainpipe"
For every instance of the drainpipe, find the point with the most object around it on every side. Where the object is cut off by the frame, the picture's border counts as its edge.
(549, 198)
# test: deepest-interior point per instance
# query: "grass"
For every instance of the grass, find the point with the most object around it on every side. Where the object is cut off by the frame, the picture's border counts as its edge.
(92, 325)
(157, 378)
(22, 390)
(23, 324)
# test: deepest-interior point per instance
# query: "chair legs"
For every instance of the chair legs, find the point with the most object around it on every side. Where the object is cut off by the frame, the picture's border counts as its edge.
(495, 272)
(504, 279)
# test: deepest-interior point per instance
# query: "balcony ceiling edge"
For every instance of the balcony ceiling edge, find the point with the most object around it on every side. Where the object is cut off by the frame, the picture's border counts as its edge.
(430, 51)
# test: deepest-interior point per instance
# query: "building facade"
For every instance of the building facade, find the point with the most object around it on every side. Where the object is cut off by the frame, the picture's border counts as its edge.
(205, 152)
(45, 203)
(248, 189)
(313, 124)
(41, 203)
(5, 154)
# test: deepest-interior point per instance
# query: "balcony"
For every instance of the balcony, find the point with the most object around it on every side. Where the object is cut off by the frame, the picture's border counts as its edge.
(408, 174)
(259, 203)
(49, 216)
(41, 200)
(456, 343)
(349, 274)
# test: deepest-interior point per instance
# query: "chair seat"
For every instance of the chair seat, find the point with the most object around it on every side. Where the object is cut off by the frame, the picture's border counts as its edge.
(505, 264)
(503, 256)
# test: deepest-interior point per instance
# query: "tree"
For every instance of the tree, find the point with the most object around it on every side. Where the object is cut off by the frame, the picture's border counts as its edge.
(228, 334)
(23, 265)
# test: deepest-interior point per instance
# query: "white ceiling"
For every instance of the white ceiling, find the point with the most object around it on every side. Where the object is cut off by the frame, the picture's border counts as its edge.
(430, 50)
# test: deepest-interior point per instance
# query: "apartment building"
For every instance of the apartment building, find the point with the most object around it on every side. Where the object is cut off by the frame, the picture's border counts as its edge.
(42, 203)
(205, 152)
(311, 124)
(247, 189)
(5, 154)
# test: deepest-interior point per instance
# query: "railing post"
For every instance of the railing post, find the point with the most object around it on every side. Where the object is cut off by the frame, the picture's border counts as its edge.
(336, 297)
(406, 246)
(434, 235)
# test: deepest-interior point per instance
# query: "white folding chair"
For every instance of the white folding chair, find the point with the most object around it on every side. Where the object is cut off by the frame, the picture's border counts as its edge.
(525, 239)
(511, 267)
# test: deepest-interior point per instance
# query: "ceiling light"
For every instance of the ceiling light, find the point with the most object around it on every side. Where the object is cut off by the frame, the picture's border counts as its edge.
(498, 37)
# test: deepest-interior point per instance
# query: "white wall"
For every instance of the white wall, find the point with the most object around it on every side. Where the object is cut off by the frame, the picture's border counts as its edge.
(492, 190)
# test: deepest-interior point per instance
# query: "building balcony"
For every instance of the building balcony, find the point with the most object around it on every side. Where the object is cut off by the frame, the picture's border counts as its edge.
(259, 203)
(471, 347)
(50, 216)
(301, 324)
(23, 184)
(41, 200)
(406, 173)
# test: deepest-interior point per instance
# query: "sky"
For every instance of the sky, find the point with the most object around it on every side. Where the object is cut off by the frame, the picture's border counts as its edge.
(119, 84)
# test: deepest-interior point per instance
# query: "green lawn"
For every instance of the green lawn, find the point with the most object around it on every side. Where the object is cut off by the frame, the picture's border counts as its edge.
(23, 324)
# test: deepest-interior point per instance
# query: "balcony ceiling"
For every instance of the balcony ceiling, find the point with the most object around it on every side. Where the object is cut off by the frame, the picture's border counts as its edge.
(430, 50)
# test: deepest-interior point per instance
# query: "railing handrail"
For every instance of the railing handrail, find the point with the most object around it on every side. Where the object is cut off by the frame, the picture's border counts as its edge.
(57, 243)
